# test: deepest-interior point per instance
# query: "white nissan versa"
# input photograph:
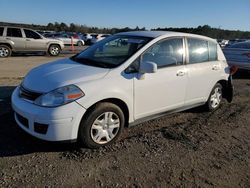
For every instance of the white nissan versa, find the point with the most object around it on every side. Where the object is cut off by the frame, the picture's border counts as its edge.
(120, 81)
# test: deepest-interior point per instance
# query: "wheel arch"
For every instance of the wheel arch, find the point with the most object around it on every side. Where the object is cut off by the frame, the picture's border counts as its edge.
(7, 44)
(54, 44)
(120, 103)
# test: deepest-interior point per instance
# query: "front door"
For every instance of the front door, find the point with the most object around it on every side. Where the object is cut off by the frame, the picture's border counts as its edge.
(34, 42)
(164, 90)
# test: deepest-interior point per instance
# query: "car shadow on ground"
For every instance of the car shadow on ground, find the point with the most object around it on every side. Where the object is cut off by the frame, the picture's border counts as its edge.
(13, 140)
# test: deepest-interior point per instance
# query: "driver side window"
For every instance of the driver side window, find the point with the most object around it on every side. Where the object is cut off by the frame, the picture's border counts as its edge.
(31, 34)
(165, 53)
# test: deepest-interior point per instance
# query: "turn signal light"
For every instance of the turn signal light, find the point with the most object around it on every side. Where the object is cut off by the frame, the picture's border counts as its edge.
(74, 96)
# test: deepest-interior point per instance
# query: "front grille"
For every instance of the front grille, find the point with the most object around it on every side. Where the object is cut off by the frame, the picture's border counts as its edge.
(24, 121)
(27, 94)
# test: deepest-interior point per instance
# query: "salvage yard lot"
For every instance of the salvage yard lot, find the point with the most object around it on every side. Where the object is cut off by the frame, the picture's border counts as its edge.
(188, 149)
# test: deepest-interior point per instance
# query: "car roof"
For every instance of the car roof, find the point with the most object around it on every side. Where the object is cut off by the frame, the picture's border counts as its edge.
(156, 34)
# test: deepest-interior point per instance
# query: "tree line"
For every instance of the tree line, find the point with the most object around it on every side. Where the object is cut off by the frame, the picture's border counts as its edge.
(206, 30)
(215, 33)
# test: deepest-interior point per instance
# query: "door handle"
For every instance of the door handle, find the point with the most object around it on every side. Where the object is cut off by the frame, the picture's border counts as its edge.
(8, 39)
(27, 39)
(215, 67)
(180, 73)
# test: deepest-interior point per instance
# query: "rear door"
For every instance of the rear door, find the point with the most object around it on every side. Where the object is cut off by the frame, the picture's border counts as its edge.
(15, 35)
(203, 69)
(33, 41)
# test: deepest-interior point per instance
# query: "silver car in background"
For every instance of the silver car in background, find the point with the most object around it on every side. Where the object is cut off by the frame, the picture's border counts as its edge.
(16, 39)
(238, 54)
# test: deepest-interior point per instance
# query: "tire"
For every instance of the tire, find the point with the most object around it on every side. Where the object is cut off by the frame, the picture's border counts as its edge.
(95, 128)
(79, 43)
(5, 51)
(54, 50)
(215, 98)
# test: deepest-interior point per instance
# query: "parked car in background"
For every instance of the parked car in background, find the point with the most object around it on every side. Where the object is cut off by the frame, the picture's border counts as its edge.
(233, 41)
(67, 39)
(98, 37)
(93, 95)
(87, 38)
(222, 42)
(238, 54)
(16, 39)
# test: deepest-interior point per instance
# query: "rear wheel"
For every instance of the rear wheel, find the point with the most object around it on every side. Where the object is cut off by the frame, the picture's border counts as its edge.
(101, 126)
(215, 98)
(5, 51)
(54, 50)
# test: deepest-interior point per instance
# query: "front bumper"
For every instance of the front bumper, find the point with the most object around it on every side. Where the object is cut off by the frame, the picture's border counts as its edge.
(62, 122)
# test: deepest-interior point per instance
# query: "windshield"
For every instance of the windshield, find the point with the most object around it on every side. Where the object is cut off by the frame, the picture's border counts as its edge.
(111, 52)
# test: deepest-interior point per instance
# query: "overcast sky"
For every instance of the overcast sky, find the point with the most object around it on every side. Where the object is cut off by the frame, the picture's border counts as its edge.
(225, 14)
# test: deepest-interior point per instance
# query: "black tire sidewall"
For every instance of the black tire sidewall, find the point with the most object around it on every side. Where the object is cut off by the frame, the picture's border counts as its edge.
(84, 133)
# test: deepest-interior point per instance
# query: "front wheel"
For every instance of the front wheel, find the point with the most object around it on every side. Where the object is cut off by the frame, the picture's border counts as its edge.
(101, 126)
(5, 51)
(215, 98)
(54, 50)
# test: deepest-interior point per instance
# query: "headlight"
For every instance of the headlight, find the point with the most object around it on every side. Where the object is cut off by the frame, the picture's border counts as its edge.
(60, 96)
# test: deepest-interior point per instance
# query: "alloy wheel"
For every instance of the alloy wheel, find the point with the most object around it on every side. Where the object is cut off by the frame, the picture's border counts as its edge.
(105, 127)
(4, 52)
(216, 97)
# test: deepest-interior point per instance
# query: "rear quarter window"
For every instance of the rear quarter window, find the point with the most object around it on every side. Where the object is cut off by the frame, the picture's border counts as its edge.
(198, 50)
(1, 31)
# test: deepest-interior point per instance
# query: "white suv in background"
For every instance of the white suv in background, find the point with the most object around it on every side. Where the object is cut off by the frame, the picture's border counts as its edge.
(121, 81)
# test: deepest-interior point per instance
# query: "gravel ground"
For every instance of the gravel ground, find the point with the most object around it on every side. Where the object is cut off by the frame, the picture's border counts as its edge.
(188, 149)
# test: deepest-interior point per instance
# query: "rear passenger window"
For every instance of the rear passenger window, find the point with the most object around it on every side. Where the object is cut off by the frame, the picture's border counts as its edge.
(165, 53)
(212, 51)
(1, 31)
(198, 50)
(14, 32)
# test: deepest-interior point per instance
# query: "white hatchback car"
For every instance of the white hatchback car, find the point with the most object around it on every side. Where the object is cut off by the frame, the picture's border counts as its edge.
(123, 80)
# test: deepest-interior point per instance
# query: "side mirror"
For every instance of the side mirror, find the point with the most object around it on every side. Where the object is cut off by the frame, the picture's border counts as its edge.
(148, 67)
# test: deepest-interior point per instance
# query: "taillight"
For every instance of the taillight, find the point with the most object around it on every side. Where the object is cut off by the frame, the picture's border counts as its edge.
(233, 69)
(246, 55)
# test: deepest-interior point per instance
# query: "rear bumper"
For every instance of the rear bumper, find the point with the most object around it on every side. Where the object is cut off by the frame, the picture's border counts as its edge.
(229, 90)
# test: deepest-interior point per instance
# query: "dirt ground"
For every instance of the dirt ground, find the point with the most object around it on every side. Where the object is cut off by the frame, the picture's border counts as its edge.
(188, 149)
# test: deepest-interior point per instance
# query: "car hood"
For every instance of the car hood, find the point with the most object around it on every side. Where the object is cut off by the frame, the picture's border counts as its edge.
(60, 73)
